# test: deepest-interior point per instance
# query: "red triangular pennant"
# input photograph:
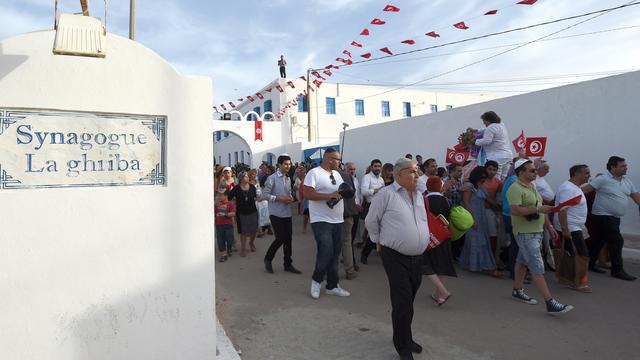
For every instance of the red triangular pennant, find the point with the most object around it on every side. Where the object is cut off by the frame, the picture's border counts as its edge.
(386, 50)
(527, 2)
(260, 96)
(366, 56)
(223, 107)
(250, 98)
(269, 89)
(356, 44)
(317, 82)
(365, 32)
(317, 74)
(461, 25)
(377, 21)
(347, 53)
(491, 12)
(215, 108)
(279, 88)
(290, 83)
(433, 34)
(327, 72)
(303, 78)
(241, 100)
(232, 104)
(341, 60)
(408, 42)
(391, 8)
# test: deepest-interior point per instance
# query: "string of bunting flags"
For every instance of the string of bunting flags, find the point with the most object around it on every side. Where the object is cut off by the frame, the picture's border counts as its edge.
(347, 56)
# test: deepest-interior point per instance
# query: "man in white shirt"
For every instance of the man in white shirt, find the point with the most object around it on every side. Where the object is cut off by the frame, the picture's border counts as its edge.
(569, 223)
(430, 169)
(397, 222)
(542, 169)
(326, 210)
(371, 184)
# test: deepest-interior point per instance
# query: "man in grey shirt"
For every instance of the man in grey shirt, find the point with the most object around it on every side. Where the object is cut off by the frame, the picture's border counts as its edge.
(397, 223)
(277, 190)
(613, 190)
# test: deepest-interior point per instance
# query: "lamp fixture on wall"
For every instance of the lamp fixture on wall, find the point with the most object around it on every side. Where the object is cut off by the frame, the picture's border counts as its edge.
(80, 34)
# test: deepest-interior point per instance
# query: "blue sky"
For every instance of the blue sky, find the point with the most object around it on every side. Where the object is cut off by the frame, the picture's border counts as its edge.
(237, 43)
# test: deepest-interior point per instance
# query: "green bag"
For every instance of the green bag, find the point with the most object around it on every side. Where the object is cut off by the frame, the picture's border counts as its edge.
(460, 221)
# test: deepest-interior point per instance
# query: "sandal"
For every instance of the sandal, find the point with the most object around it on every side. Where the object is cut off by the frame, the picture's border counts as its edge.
(584, 288)
(440, 301)
(223, 258)
(252, 247)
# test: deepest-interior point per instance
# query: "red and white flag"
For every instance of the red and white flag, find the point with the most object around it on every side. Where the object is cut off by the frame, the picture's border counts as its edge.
(386, 50)
(290, 83)
(365, 32)
(260, 96)
(279, 88)
(433, 34)
(527, 2)
(366, 56)
(268, 89)
(317, 74)
(303, 78)
(348, 53)
(223, 107)
(250, 98)
(491, 12)
(327, 72)
(215, 108)
(408, 42)
(258, 130)
(519, 143)
(457, 157)
(535, 146)
(461, 25)
(377, 21)
(317, 82)
(241, 100)
(391, 8)
(232, 104)
(356, 44)
(342, 60)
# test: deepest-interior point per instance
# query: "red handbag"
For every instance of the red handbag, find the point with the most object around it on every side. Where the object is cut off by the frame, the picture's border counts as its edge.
(438, 228)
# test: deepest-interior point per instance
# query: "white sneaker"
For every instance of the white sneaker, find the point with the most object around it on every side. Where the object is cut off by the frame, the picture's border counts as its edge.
(338, 291)
(315, 289)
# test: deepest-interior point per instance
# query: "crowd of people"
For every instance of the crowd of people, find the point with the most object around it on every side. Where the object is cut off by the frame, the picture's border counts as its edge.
(519, 227)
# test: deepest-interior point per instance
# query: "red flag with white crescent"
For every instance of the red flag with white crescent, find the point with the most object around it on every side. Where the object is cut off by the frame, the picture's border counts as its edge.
(527, 2)
(408, 42)
(366, 56)
(356, 44)
(461, 25)
(317, 74)
(519, 142)
(348, 53)
(491, 12)
(317, 82)
(377, 21)
(250, 98)
(433, 34)
(258, 130)
(365, 32)
(260, 96)
(535, 146)
(327, 72)
(391, 8)
(450, 154)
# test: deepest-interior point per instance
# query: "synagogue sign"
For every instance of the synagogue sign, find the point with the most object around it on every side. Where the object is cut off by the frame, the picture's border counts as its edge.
(50, 149)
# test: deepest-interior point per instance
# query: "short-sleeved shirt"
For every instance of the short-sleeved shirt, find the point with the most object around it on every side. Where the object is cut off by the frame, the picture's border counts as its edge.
(320, 180)
(527, 196)
(544, 188)
(225, 208)
(492, 186)
(576, 215)
(612, 194)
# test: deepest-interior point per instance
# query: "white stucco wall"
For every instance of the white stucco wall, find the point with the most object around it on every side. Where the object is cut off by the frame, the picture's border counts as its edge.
(585, 123)
(109, 272)
(271, 135)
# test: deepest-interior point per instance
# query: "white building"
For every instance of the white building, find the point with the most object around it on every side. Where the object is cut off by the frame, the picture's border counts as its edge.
(331, 105)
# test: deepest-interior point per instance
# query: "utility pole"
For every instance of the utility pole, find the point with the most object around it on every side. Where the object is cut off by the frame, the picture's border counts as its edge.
(132, 20)
(309, 132)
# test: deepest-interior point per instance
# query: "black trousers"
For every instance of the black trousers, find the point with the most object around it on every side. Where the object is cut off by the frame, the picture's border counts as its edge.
(283, 72)
(607, 229)
(405, 276)
(282, 229)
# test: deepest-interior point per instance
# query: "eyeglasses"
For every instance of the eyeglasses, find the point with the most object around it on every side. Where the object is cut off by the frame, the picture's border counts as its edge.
(333, 180)
(336, 159)
(533, 171)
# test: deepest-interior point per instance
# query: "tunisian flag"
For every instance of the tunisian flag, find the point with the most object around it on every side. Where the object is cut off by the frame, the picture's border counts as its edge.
(535, 146)
(456, 157)
(258, 130)
(519, 142)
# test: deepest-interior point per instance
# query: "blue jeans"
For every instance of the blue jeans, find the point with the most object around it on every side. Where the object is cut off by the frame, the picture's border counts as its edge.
(529, 252)
(224, 237)
(329, 241)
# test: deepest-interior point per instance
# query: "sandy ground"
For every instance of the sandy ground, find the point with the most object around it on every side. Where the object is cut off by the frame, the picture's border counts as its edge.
(272, 316)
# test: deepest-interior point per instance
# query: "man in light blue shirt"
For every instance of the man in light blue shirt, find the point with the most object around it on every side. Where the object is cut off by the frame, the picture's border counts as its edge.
(613, 190)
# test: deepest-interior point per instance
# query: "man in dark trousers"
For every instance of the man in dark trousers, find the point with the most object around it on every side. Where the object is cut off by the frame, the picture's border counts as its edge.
(351, 211)
(277, 190)
(397, 223)
(282, 64)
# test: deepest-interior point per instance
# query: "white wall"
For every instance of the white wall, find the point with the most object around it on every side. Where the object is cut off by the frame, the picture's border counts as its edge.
(584, 123)
(271, 135)
(111, 272)
(229, 146)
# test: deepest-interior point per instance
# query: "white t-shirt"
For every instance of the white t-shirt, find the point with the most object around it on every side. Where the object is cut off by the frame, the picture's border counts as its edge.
(576, 215)
(544, 189)
(320, 179)
(422, 183)
(496, 142)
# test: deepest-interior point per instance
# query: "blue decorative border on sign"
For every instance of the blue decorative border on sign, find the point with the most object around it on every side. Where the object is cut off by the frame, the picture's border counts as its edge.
(157, 124)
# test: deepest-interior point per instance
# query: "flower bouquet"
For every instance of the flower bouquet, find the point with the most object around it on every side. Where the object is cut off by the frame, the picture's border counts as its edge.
(467, 141)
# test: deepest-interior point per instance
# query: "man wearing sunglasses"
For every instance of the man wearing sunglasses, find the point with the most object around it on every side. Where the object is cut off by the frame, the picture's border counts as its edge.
(326, 213)
(529, 217)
